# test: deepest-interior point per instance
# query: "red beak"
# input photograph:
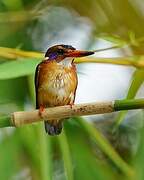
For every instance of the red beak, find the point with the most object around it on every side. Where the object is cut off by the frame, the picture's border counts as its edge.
(77, 53)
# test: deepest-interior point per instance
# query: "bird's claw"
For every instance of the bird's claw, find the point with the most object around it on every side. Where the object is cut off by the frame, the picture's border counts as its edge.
(71, 105)
(41, 110)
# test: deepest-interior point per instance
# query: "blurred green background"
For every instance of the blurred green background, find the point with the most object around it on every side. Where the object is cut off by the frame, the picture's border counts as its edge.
(82, 151)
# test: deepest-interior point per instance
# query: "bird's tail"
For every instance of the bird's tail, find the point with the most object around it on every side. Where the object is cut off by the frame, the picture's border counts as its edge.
(53, 127)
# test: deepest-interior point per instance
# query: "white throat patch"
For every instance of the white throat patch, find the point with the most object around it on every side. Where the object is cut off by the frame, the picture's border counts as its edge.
(66, 62)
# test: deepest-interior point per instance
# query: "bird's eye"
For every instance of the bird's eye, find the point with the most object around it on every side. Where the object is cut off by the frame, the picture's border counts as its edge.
(60, 51)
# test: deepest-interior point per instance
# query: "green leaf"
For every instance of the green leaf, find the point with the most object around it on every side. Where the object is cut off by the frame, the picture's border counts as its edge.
(29, 143)
(13, 90)
(137, 80)
(18, 68)
(10, 163)
(113, 39)
(13, 94)
(13, 5)
(139, 158)
(64, 146)
(133, 40)
(45, 154)
(106, 148)
(85, 161)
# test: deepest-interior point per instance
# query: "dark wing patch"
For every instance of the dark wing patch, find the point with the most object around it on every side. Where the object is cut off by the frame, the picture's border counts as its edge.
(37, 84)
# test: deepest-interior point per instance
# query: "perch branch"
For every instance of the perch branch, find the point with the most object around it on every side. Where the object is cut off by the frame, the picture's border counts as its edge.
(18, 119)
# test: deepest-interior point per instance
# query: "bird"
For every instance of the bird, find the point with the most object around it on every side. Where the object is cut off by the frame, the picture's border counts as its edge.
(56, 81)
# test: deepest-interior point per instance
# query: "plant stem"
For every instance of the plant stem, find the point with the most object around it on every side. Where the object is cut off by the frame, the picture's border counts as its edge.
(5, 121)
(27, 117)
(106, 49)
(128, 104)
(11, 54)
(126, 61)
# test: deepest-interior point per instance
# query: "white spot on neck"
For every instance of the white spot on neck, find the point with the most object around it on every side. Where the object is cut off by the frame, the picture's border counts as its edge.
(66, 62)
(46, 58)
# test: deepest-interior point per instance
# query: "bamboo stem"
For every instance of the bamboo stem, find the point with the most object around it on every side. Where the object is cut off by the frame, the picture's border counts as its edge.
(20, 118)
(5, 121)
(128, 104)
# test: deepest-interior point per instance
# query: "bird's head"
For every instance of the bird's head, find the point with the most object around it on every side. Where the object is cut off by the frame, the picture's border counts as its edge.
(65, 52)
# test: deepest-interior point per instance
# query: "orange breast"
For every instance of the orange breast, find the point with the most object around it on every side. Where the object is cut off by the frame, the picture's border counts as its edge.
(57, 84)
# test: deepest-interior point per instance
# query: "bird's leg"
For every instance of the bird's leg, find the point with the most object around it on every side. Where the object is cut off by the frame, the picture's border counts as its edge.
(41, 110)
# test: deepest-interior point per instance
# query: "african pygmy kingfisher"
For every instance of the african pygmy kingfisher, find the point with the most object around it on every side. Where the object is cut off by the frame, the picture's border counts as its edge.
(56, 81)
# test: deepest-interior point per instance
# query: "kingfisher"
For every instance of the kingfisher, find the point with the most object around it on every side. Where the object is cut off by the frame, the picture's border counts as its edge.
(56, 81)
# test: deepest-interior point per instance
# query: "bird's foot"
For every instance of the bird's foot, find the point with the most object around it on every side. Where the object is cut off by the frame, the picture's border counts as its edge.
(71, 105)
(41, 110)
